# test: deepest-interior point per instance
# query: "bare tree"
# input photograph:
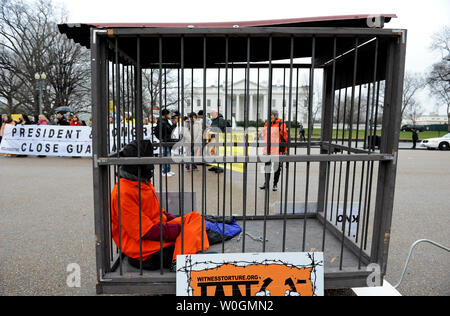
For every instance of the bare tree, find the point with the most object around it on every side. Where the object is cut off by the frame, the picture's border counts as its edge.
(29, 35)
(439, 77)
(165, 87)
(413, 111)
(69, 75)
(10, 86)
(412, 84)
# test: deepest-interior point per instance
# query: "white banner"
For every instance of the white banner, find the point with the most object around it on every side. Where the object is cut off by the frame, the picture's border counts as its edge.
(69, 141)
(47, 140)
(127, 134)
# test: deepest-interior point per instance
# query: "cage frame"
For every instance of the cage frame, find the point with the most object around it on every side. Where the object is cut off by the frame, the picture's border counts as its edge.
(387, 157)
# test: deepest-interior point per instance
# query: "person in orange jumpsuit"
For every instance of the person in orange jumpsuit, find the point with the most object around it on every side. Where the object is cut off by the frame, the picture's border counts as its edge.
(128, 228)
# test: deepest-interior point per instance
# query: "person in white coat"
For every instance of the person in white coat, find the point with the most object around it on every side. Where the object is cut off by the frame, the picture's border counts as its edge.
(192, 138)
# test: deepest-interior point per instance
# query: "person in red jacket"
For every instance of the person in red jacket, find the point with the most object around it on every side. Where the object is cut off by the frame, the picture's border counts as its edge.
(75, 121)
(278, 145)
(152, 223)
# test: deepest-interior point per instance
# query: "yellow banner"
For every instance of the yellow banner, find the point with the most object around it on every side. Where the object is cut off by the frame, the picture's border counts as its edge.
(15, 117)
(235, 146)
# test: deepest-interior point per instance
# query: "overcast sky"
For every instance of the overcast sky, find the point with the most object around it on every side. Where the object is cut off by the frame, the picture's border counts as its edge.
(420, 18)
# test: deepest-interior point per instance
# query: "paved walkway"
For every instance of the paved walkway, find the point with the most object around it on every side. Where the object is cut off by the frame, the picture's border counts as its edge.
(46, 221)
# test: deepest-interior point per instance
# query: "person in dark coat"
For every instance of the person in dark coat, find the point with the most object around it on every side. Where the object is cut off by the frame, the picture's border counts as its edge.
(302, 133)
(61, 120)
(415, 138)
(164, 129)
(217, 122)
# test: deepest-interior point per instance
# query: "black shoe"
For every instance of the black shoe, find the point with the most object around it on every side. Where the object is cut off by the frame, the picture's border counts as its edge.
(275, 188)
(219, 171)
(212, 169)
(263, 187)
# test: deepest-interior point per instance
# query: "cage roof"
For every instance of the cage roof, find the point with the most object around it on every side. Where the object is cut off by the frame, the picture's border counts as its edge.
(348, 31)
(80, 33)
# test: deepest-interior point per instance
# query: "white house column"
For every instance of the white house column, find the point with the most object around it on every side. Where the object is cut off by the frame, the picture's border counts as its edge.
(238, 108)
(252, 116)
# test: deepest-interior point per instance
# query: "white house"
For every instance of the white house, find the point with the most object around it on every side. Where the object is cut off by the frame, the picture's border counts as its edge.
(215, 98)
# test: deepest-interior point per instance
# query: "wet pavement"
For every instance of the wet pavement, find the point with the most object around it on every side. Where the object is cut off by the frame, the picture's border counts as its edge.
(46, 215)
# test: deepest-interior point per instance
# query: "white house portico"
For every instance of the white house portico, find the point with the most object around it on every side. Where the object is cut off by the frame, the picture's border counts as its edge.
(258, 101)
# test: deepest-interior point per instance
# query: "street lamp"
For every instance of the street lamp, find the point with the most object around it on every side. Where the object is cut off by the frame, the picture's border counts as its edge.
(40, 78)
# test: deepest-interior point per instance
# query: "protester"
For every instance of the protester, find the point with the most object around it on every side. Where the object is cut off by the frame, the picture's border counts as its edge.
(152, 120)
(201, 116)
(140, 218)
(163, 131)
(177, 132)
(43, 120)
(278, 140)
(128, 118)
(75, 121)
(217, 122)
(193, 136)
(61, 120)
(2, 122)
(7, 120)
(24, 120)
(69, 118)
(52, 120)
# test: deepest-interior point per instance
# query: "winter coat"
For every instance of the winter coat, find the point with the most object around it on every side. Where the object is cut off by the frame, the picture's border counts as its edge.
(165, 134)
(278, 136)
(197, 130)
(75, 123)
(219, 122)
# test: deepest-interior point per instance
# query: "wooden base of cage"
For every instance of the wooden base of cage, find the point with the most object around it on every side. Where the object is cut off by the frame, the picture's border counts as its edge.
(346, 273)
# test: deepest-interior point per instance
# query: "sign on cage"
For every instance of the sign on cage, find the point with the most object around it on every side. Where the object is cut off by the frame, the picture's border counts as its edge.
(261, 274)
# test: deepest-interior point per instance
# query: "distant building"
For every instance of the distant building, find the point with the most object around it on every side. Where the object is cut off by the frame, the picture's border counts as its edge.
(215, 98)
(430, 119)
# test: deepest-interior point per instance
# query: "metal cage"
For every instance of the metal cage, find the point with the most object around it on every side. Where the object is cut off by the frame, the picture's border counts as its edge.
(336, 190)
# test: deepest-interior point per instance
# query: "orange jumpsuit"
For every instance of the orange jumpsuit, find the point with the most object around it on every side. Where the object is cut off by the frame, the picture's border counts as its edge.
(150, 216)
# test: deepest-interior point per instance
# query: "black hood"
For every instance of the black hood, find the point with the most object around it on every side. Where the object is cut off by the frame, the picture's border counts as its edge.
(131, 150)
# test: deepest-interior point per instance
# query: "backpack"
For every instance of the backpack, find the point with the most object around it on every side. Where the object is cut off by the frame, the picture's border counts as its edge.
(283, 138)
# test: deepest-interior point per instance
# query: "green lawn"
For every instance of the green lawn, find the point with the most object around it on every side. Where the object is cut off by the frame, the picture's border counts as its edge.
(403, 135)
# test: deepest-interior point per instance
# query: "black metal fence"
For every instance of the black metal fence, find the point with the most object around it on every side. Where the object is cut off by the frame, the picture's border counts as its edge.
(335, 195)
